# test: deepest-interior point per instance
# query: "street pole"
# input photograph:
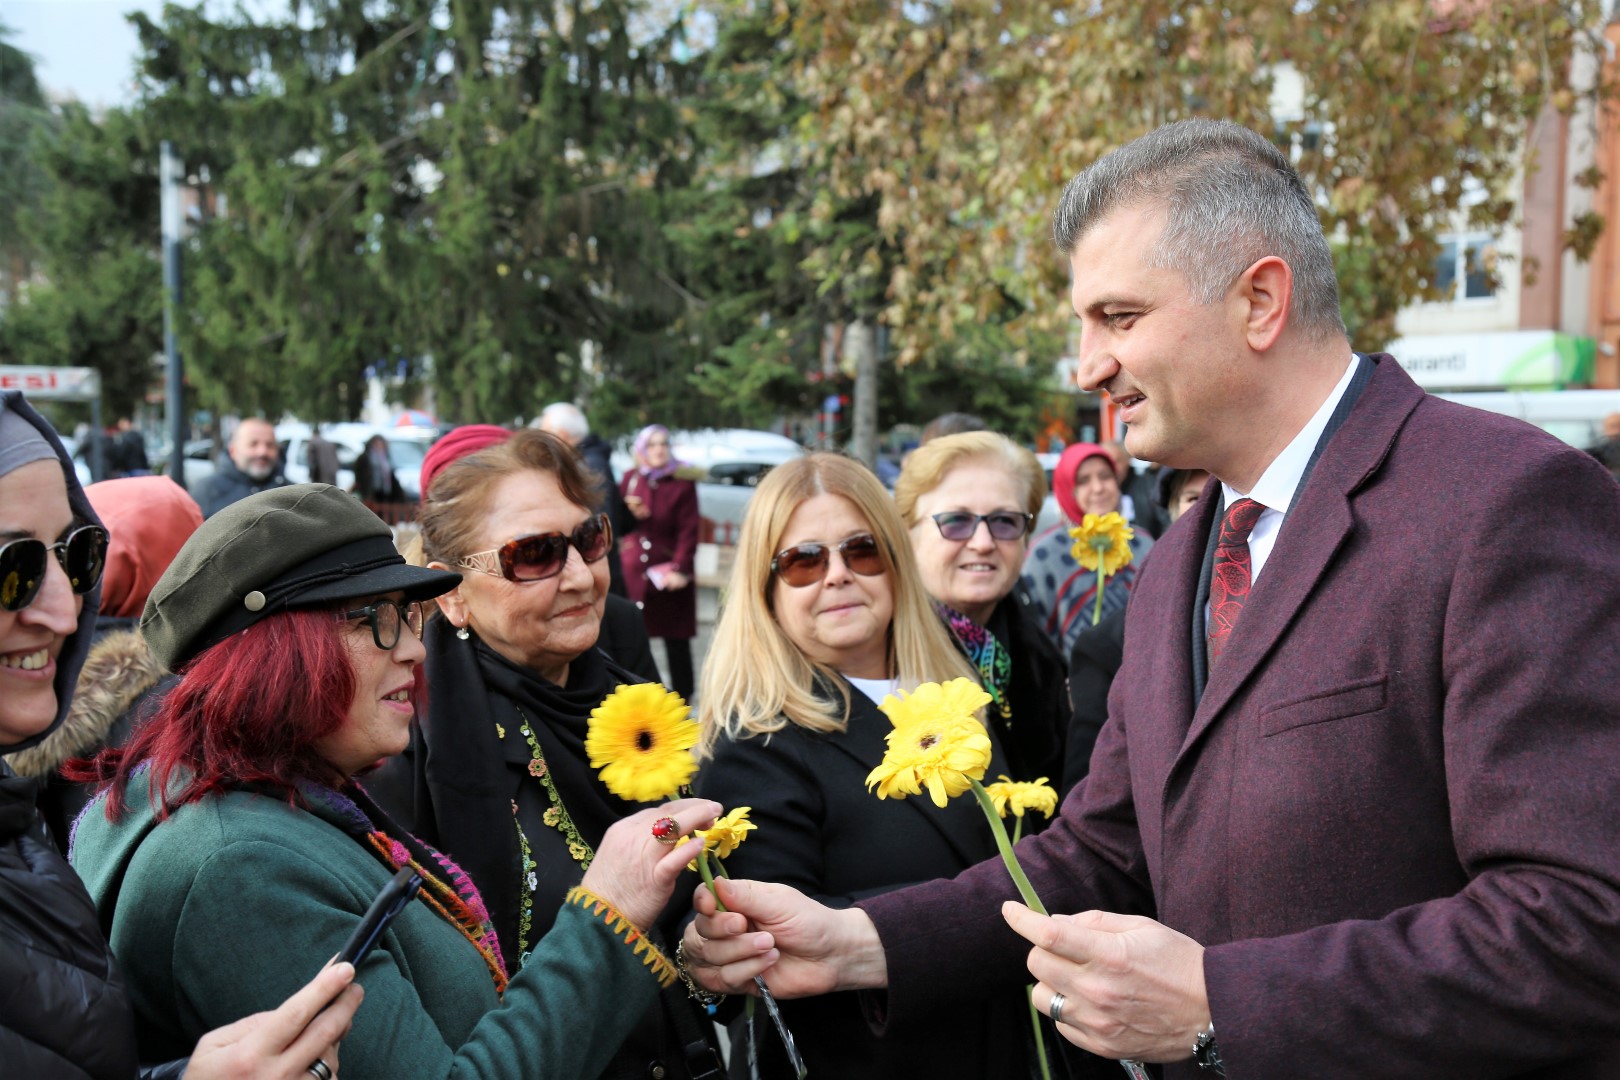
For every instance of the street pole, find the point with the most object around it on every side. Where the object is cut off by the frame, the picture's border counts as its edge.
(169, 178)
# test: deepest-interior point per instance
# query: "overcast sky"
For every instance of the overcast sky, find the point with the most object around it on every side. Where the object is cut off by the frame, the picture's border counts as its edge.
(83, 48)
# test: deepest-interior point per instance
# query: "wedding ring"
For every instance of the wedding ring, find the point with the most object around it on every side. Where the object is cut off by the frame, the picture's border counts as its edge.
(320, 1070)
(1055, 1010)
(666, 830)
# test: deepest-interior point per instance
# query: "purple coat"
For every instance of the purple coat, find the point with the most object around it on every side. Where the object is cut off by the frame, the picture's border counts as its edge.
(1391, 819)
(670, 535)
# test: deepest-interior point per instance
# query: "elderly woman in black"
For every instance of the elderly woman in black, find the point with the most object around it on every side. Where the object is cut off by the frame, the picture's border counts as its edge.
(497, 775)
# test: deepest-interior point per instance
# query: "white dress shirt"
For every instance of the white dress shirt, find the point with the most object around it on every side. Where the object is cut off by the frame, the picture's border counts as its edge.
(1276, 486)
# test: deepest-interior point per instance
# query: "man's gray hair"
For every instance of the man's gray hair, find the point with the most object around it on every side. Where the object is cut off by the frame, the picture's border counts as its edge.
(1230, 199)
(563, 418)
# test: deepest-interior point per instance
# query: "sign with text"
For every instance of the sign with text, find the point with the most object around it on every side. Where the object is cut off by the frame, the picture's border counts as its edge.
(1523, 359)
(52, 383)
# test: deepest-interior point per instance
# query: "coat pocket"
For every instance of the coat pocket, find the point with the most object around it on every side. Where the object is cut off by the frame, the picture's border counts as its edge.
(1324, 706)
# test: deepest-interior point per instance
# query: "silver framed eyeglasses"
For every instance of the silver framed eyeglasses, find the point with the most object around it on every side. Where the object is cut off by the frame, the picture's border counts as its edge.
(1003, 524)
(385, 617)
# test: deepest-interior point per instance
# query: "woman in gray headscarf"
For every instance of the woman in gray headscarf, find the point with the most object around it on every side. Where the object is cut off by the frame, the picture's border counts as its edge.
(66, 1013)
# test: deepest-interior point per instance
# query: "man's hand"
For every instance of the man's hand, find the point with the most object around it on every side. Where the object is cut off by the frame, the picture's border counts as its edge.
(802, 947)
(1132, 987)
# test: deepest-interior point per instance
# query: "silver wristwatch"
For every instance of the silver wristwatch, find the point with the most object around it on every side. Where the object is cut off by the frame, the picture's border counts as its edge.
(1205, 1052)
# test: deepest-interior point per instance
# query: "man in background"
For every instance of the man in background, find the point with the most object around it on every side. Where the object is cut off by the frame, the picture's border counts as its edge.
(253, 465)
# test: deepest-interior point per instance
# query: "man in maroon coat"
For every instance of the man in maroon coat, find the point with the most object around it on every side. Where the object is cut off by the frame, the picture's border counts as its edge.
(1375, 835)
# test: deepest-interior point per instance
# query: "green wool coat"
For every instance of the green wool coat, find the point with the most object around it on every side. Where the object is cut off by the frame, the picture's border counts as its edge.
(235, 902)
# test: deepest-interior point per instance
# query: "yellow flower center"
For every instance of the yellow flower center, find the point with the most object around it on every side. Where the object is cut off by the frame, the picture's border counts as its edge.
(928, 740)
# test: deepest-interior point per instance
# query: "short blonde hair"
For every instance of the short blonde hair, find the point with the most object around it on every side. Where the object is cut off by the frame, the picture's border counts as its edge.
(931, 462)
(757, 681)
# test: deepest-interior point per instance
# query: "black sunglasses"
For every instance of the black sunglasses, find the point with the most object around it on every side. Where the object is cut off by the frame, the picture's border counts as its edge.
(806, 564)
(535, 558)
(1004, 524)
(385, 618)
(83, 556)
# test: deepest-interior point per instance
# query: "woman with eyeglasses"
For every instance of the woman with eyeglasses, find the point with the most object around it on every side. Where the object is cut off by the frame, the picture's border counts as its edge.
(970, 502)
(66, 1012)
(496, 774)
(234, 850)
(825, 616)
(658, 554)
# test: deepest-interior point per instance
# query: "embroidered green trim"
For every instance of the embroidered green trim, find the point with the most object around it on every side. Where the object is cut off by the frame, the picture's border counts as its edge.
(556, 816)
(650, 954)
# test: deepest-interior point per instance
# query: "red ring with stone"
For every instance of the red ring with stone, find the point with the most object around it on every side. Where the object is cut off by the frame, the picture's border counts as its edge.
(666, 830)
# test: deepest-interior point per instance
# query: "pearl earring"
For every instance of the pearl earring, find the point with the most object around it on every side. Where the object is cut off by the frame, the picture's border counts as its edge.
(461, 632)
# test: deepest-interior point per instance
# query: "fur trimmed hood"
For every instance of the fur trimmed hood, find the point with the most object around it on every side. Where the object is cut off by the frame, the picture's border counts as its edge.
(119, 669)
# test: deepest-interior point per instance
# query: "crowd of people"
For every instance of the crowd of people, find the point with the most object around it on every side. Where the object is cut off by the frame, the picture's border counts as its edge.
(1337, 744)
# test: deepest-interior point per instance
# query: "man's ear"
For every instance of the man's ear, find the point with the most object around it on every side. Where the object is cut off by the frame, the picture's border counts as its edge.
(1265, 290)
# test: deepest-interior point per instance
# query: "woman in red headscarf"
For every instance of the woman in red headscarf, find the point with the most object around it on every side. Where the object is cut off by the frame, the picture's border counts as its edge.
(1062, 592)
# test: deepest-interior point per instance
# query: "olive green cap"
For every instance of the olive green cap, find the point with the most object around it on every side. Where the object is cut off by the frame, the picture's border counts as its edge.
(306, 545)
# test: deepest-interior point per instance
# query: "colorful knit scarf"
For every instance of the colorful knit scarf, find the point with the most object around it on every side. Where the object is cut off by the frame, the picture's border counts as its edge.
(446, 888)
(984, 651)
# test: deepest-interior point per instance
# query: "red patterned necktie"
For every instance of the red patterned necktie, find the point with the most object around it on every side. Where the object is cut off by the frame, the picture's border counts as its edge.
(1229, 584)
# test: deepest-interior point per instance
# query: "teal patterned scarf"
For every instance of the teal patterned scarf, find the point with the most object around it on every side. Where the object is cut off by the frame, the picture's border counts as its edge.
(986, 653)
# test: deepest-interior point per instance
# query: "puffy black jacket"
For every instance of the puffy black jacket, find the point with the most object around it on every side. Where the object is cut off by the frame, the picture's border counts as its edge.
(63, 1013)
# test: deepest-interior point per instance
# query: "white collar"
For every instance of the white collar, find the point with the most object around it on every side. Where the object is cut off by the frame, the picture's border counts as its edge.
(1276, 486)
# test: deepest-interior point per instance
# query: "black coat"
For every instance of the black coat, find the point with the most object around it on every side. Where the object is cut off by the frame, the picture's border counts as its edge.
(1098, 652)
(1037, 693)
(823, 833)
(63, 1013)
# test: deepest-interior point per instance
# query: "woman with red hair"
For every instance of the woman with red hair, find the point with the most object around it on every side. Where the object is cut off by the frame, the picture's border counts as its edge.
(233, 852)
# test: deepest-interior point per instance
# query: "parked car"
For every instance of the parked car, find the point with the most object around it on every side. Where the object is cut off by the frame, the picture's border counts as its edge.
(406, 448)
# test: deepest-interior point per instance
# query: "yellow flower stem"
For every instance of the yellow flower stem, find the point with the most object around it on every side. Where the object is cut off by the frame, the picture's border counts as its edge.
(1040, 1038)
(1018, 830)
(1102, 579)
(708, 876)
(997, 829)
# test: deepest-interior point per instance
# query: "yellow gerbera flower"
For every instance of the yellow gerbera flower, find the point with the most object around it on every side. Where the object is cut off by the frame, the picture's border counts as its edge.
(641, 737)
(1105, 540)
(936, 742)
(722, 838)
(1018, 796)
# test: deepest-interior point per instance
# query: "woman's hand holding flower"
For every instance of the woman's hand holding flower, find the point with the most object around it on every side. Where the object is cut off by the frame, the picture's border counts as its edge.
(634, 871)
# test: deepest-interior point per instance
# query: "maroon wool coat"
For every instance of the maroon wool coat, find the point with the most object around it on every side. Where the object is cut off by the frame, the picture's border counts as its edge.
(670, 535)
(1392, 818)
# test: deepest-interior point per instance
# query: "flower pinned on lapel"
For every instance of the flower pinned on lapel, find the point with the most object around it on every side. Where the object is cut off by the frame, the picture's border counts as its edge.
(1102, 543)
(641, 737)
(936, 743)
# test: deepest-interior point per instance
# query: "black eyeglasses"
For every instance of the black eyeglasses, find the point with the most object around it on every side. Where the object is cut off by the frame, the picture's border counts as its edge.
(1004, 524)
(535, 558)
(83, 556)
(385, 617)
(806, 564)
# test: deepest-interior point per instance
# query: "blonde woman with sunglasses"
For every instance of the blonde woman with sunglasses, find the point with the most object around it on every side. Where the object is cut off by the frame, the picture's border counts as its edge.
(497, 776)
(824, 616)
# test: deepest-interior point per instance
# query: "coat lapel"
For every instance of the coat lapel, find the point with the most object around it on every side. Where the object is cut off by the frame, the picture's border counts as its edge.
(1317, 526)
(961, 822)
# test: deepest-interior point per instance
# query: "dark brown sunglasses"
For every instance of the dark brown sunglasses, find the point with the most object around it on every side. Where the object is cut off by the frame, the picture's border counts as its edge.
(806, 564)
(535, 558)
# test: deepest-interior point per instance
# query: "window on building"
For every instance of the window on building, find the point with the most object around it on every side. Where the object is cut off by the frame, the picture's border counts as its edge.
(1466, 268)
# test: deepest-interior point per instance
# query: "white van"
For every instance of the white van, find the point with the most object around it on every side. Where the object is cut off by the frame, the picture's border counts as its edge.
(1575, 416)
